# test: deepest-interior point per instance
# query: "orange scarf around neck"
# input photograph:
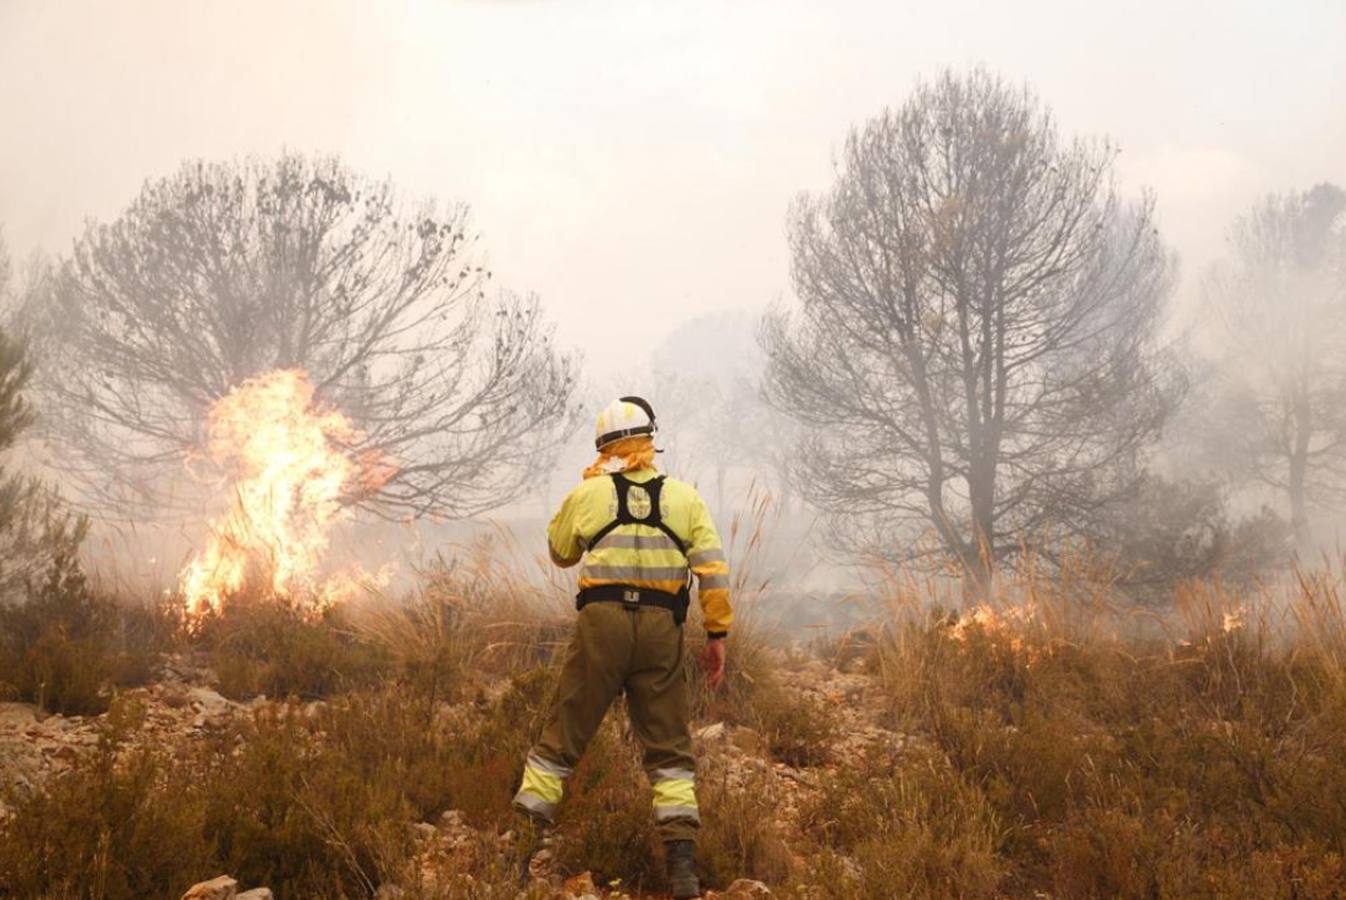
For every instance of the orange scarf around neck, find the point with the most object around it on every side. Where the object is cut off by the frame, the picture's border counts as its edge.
(625, 455)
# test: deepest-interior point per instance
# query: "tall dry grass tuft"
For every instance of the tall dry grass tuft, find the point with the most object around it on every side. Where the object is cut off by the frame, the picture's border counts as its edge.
(486, 609)
(747, 544)
(1318, 616)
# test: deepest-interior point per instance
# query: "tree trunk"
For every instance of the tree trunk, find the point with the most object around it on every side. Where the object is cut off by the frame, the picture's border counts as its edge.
(980, 564)
(1299, 517)
(1299, 465)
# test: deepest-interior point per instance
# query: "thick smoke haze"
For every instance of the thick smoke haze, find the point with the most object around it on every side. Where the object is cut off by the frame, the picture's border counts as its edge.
(869, 448)
(633, 163)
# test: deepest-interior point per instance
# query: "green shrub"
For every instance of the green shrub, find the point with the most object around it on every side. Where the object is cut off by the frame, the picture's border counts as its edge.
(65, 647)
(35, 527)
(270, 646)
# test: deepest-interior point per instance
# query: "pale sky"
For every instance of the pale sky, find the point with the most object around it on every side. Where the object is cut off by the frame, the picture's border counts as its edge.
(632, 162)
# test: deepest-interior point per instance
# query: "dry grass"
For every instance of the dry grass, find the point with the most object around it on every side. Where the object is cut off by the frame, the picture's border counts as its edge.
(1130, 754)
(322, 804)
(489, 609)
(311, 805)
(1062, 742)
(919, 829)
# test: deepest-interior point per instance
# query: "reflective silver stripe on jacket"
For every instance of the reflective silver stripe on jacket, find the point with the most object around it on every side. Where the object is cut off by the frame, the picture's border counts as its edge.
(617, 541)
(636, 573)
(702, 557)
(707, 582)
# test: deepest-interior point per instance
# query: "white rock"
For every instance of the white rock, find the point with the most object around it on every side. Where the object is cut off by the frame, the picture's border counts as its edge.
(256, 894)
(17, 716)
(746, 888)
(221, 888)
(207, 701)
(712, 732)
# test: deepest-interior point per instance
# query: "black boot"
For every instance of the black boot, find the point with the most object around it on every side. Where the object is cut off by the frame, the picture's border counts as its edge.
(532, 839)
(682, 881)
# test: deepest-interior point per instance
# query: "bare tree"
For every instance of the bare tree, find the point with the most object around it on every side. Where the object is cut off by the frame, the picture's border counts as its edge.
(974, 352)
(223, 271)
(1277, 400)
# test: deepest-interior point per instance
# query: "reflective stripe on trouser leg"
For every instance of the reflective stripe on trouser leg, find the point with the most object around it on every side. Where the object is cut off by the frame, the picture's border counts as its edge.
(675, 795)
(543, 785)
(590, 677)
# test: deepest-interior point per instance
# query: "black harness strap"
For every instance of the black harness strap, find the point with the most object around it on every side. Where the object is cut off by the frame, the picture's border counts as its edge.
(631, 596)
(655, 519)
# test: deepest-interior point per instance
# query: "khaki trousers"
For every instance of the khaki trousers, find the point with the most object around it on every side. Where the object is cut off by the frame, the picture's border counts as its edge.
(618, 648)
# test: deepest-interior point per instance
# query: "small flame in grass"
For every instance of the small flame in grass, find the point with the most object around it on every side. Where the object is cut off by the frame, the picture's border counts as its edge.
(1007, 623)
(291, 478)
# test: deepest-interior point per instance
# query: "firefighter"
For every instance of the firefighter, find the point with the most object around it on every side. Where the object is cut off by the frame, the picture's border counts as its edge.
(641, 536)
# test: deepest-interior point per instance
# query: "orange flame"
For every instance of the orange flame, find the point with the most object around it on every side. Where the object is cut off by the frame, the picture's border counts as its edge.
(291, 480)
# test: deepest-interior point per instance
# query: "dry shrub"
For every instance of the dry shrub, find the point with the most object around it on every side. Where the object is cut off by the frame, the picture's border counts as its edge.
(753, 640)
(318, 800)
(740, 833)
(853, 649)
(486, 774)
(606, 825)
(798, 730)
(425, 638)
(485, 613)
(478, 866)
(309, 802)
(516, 609)
(920, 830)
(606, 822)
(1130, 755)
(112, 828)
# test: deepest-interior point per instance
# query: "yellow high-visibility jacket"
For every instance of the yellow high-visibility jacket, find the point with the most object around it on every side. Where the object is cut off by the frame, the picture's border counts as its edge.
(642, 556)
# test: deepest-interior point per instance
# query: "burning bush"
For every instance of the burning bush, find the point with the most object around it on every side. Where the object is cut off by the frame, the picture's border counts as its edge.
(291, 482)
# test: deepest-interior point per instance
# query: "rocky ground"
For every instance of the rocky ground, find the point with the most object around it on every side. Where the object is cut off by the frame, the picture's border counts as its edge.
(183, 703)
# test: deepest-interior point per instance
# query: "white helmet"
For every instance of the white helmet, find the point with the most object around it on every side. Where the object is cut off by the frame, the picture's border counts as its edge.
(623, 418)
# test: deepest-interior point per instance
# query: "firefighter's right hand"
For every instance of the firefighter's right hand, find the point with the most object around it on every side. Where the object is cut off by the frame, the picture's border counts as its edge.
(712, 660)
